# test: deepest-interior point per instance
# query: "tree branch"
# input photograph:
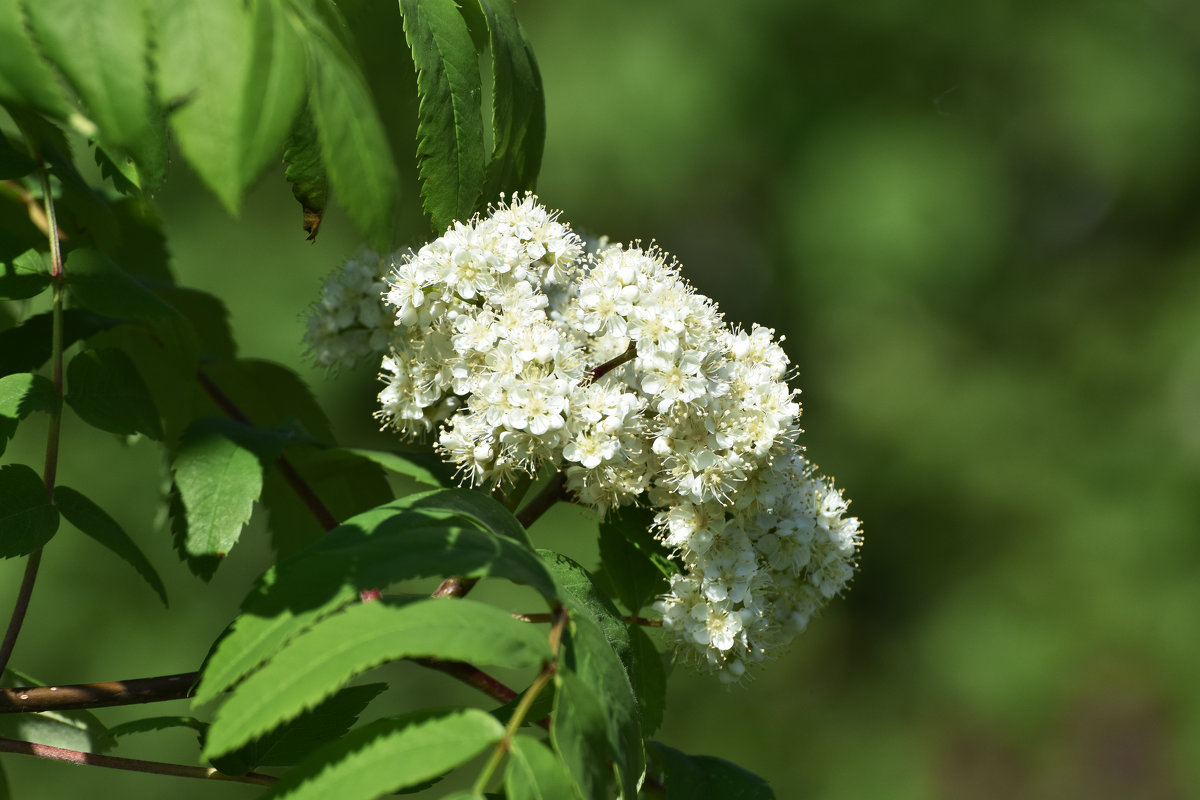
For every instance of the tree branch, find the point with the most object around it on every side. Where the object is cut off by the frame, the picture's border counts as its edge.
(98, 695)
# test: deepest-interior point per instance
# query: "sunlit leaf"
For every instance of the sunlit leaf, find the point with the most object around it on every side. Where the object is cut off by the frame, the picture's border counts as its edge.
(534, 772)
(20, 395)
(25, 77)
(218, 481)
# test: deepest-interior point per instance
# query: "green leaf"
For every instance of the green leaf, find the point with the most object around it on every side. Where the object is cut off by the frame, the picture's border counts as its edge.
(238, 74)
(27, 346)
(518, 105)
(345, 483)
(96, 283)
(450, 149)
(632, 560)
(705, 777)
(92, 520)
(579, 731)
(25, 276)
(25, 77)
(649, 679)
(27, 519)
(76, 729)
(104, 51)
(372, 550)
(306, 172)
(218, 481)
(389, 755)
(354, 146)
(20, 395)
(209, 318)
(107, 392)
(598, 651)
(320, 661)
(269, 395)
(13, 163)
(422, 466)
(152, 724)
(535, 773)
(295, 741)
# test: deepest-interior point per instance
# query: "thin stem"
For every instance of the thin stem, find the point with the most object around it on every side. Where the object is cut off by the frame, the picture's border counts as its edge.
(630, 619)
(50, 470)
(98, 695)
(608, 366)
(128, 764)
(518, 718)
(289, 473)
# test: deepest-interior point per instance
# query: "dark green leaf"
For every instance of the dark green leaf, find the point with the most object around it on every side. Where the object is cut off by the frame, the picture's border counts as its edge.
(579, 731)
(518, 105)
(306, 172)
(106, 391)
(76, 729)
(104, 51)
(120, 172)
(379, 547)
(649, 679)
(354, 146)
(27, 519)
(534, 772)
(345, 484)
(96, 283)
(152, 724)
(209, 318)
(583, 595)
(20, 395)
(141, 247)
(389, 755)
(450, 149)
(94, 522)
(237, 73)
(218, 481)
(27, 346)
(25, 77)
(295, 741)
(269, 395)
(320, 661)
(632, 561)
(13, 163)
(423, 467)
(25, 276)
(705, 777)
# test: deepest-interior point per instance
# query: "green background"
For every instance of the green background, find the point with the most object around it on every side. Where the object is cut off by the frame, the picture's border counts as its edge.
(976, 224)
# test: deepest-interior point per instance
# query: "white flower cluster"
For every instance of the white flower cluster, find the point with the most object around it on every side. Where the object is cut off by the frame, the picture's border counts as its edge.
(519, 350)
(349, 322)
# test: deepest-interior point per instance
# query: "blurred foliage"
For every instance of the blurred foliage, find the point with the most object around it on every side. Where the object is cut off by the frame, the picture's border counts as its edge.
(976, 224)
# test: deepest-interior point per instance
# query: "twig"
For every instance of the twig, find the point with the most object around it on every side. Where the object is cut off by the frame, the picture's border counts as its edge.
(128, 764)
(98, 695)
(550, 494)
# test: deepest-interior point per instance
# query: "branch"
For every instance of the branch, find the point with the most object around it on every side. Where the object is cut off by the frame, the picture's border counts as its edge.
(98, 695)
(128, 764)
(553, 492)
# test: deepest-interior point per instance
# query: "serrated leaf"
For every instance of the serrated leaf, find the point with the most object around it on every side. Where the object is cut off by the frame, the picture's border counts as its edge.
(389, 755)
(306, 172)
(107, 392)
(238, 73)
(518, 105)
(104, 51)
(705, 777)
(27, 346)
(372, 550)
(649, 679)
(92, 520)
(598, 651)
(534, 772)
(422, 467)
(153, 724)
(74, 729)
(27, 519)
(632, 561)
(354, 146)
(218, 481)
(296, 740)
(345, 483)
(25, 276)
(320, 661)
(13, 163)
(579, 731)
(20, 395)
(450, 149)
(25, 77)
(98, 284)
